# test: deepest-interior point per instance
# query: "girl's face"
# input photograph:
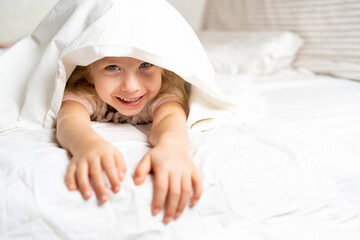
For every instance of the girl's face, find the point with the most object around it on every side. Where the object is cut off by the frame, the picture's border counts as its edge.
(125, 83)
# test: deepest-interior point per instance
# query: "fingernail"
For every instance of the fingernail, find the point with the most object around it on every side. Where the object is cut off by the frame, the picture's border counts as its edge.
(71, 186)
(117, 188)
(156, 211)
(103, 198)
(122, 175)
(87, 193)
(137, 179)
(167, 220)
(193, 203)
(178, 214)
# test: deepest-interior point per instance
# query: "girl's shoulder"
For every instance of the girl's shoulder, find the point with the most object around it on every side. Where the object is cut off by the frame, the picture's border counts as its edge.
(167, 97)
(78, 98)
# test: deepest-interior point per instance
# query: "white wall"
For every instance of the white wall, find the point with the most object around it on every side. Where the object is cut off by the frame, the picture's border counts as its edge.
(191, 10)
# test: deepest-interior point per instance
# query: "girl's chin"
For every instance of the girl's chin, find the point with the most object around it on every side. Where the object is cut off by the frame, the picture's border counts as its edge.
(129, 110)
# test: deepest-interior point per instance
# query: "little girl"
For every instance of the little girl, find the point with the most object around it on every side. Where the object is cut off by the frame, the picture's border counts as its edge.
(123, 61)
(123, 89)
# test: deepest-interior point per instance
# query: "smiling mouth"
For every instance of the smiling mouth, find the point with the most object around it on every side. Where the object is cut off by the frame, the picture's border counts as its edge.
(132, 100)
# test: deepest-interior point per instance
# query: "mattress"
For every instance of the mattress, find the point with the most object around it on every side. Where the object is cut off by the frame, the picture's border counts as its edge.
(293, 174)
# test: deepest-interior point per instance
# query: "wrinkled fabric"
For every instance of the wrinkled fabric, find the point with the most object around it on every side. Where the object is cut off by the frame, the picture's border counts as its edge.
(294, 175)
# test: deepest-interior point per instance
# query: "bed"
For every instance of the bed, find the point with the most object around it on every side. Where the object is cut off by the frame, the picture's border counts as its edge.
(288, 169)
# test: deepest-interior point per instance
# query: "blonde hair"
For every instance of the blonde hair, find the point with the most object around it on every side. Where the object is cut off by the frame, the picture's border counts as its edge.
(80, 83)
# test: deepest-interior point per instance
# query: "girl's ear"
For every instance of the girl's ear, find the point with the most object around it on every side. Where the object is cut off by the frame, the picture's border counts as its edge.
(89, 79)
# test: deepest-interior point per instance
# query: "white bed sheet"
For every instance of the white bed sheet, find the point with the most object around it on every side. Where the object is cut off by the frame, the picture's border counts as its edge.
(293, 175)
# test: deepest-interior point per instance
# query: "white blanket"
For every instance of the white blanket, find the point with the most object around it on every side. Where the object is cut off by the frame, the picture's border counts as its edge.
(34, 72)
(293, 175)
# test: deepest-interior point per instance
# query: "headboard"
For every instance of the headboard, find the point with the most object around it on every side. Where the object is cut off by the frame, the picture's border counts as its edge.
(330, 28)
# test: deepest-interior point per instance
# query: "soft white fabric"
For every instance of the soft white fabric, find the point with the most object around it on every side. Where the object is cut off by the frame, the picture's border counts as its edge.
(33, 73)
(330, 29)
(257, 53)
(294, 175)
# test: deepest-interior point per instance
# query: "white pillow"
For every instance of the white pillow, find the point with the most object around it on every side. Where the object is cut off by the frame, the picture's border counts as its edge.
(256, 53)
(329, 28)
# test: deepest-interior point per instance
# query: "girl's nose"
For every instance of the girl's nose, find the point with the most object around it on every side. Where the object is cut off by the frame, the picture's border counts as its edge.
(130, 83)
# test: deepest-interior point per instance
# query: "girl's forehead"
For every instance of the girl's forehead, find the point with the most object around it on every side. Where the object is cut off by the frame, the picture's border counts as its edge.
(124, 60)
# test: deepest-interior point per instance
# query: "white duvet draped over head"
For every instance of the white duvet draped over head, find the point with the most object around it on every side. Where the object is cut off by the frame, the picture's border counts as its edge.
(33, 73)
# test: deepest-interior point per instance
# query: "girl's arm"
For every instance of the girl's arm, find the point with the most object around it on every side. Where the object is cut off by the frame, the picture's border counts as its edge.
(175, 174)
(91, 154)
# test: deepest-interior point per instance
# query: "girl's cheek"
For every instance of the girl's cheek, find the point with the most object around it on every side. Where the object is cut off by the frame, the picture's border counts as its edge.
(103, 88)
(156, 81)
(155, 85)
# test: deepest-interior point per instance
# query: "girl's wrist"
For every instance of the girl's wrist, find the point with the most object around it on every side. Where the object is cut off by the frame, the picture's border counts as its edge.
(82, 141)
(170, 140)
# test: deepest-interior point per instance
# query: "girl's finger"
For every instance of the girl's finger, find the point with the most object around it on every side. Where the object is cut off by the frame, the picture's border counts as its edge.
(70, 179)
(197, 187)
(161, 180)
(112, 174)
(173, 197)
(120, 165)
(98, 181)
(142, 170)
(82, 177)
(186, 189)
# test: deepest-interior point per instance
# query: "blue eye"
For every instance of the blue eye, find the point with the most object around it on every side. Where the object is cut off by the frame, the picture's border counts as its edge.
(145, 65)
(112, 67)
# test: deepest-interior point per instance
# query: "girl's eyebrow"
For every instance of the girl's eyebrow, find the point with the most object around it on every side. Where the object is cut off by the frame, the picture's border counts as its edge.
(118, 61)
(109, 60)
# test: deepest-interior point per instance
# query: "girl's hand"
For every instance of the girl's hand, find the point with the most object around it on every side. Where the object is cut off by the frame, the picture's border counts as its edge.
(90, 160)
(175, 179)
